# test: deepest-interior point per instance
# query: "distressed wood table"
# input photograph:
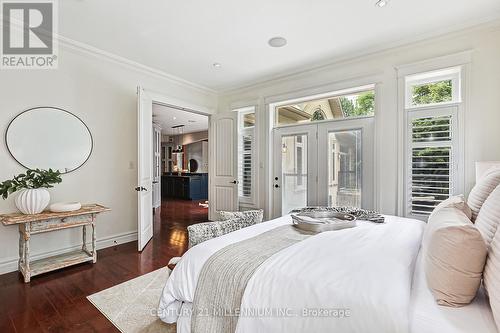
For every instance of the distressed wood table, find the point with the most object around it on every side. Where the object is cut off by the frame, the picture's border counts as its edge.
(47, 222)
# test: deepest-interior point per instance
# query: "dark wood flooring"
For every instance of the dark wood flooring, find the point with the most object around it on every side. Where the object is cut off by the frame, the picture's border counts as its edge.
(56, 301)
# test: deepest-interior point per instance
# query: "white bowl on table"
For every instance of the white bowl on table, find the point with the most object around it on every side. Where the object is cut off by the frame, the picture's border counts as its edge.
(62, 207)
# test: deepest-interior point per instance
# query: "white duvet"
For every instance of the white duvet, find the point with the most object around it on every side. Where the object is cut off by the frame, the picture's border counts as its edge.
(351, 280)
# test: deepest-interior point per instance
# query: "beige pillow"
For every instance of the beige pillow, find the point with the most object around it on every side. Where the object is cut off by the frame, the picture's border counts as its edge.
(489, 216)
(455, 254)
(482, 190)
(457, 201)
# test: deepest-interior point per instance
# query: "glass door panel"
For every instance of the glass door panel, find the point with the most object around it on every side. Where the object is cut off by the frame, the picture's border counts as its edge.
(345, 164)
(344, 168)
(293, 171)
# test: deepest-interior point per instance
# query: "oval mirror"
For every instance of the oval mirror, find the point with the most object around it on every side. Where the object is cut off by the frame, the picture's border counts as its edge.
(48, 137)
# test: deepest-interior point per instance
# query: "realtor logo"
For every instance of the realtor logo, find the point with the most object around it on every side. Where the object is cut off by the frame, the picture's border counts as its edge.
(28, 32)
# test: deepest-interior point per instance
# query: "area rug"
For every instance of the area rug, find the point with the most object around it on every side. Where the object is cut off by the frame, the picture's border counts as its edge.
(131, 306)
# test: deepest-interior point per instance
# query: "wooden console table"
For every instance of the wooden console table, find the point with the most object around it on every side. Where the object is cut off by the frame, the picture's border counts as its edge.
(47, 222)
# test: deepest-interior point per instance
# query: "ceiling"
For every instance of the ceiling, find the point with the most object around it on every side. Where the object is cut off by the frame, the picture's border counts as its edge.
(184, 38)
(167, 117)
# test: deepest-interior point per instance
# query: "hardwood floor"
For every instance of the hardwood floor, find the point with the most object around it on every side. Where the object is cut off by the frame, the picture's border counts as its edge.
(56, 301)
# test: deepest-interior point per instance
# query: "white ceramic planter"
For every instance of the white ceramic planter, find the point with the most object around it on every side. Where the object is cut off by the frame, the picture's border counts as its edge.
(32, 201)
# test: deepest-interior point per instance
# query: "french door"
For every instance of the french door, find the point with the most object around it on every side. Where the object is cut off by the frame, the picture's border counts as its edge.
(295, 172)
(325, 164)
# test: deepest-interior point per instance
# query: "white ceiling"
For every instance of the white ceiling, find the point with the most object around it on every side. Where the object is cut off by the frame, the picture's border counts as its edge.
(167, 117)
(184, 38)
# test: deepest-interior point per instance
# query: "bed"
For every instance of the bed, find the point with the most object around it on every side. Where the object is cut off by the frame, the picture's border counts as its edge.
(365, 279)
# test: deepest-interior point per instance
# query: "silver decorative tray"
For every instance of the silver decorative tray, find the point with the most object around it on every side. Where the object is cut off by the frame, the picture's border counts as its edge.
(323, 221)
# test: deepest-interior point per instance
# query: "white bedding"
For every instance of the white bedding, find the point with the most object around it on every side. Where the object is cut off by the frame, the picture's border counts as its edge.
(428, 317)
(364, 271)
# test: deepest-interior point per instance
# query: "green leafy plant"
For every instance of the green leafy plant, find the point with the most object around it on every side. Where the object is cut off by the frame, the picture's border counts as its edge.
(32, 179)
(363, 105)
(436, 92)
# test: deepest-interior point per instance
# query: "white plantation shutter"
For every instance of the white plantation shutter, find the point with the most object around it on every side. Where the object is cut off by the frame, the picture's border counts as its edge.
(431, 164)
(246, 157)
(245, 164)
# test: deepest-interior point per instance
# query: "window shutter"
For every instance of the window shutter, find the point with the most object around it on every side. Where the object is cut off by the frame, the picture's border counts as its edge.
(245, 166)
(431, 162)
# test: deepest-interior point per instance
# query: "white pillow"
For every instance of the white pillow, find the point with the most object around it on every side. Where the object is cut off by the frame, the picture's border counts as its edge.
(456, 201)
(491, 277)
(482, 190)
(488, 219)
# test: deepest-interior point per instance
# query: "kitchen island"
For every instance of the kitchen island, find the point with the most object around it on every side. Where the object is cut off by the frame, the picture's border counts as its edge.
(187, 186)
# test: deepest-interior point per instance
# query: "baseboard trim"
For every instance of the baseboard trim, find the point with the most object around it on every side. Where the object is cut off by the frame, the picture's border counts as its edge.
(10, 264)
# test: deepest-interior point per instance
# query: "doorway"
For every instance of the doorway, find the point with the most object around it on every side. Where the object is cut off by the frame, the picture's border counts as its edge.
(324, 164)
(180, 165)
(173, 162)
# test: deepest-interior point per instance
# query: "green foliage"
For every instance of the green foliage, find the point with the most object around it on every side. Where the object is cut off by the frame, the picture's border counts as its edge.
(364, 105)
(436, 92)
(431, 129)
(32, 179)
(347, 106)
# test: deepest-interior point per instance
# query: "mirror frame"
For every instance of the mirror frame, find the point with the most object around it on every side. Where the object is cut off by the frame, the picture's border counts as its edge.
(59, 109)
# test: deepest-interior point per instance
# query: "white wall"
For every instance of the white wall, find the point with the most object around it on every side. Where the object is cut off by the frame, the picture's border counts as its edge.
(103, 94)
(195, 151)
(186, 139)
(482, 120)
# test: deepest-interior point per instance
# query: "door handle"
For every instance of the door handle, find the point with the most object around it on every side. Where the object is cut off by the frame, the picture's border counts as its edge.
(155, 182)
(140, 189)
(276, 186)
(234, 182)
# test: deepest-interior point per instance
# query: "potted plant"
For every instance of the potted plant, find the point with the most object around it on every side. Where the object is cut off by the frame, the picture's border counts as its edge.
(33, 196)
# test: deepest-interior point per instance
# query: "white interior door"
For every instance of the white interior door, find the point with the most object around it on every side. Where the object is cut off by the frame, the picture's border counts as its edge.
(295, 168)
(223, 177)
(145, 168)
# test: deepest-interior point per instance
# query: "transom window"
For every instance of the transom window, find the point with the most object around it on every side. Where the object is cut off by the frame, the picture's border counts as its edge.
(433, 88)
(351, 103)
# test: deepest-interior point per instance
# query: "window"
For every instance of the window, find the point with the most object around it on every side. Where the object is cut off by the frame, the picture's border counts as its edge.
(432, 142)
(433, 88)
(355, 103)
(246, 148)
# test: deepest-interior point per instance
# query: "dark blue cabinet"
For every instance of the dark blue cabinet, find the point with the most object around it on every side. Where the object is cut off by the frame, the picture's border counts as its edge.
(192, 186)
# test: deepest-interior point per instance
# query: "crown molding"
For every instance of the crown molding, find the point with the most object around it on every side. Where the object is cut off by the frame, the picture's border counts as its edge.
(87, 49)
(490, 23)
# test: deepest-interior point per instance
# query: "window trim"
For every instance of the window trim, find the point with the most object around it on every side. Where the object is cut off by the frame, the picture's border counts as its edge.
(461, 60)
